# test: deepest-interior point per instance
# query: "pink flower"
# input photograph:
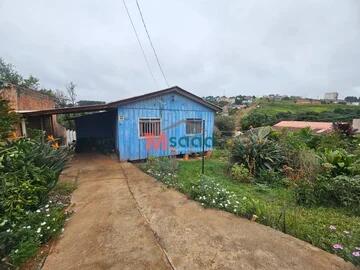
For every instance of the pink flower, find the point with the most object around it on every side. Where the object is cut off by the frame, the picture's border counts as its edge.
(337, 246)
(332, 227)
(356, 253)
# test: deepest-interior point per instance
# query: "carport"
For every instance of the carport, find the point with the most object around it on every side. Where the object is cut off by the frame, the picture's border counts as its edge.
(95, 125)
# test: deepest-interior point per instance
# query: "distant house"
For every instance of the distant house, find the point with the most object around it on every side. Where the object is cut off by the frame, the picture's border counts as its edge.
(331, 96)
(317, 127)
(162, 123)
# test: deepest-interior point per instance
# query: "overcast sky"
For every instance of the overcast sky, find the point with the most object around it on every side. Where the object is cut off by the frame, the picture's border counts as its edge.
(212, 47)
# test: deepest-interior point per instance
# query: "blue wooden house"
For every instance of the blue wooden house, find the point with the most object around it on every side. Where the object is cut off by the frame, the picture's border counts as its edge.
(162, 123)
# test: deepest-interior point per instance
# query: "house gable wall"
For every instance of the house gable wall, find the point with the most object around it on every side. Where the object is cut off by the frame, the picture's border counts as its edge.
(173, 110)
(23, 99)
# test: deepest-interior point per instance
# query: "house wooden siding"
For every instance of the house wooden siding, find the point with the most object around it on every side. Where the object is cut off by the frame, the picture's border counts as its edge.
(173, 109)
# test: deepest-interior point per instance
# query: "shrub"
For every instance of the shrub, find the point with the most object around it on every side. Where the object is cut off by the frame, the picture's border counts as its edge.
(347, 191)
(164, 169)
(240, 173)
(8, 119)
(225, 124)
(29, 170)
(337, 161)
(269, 177)
(257, 151)
(257, 119)
(339, 191)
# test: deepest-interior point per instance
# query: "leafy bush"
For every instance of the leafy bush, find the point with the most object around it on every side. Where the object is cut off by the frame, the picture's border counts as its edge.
(257, 119)
(225, 124)
(347, 191)
(164, 169)
(29, 170)
(269, 177)
(257, 151)
(240, 173)
(339, 191)
(21, 237)
(337, 161)
(8, 119)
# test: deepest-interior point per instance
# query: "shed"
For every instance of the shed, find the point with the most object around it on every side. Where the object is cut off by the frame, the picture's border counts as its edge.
(162, 123)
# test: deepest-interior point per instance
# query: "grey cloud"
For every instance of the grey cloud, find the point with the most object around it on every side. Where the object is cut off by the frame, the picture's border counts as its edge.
(210, 47)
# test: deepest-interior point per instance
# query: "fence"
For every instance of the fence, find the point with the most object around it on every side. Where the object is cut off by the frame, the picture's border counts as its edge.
(70, 137)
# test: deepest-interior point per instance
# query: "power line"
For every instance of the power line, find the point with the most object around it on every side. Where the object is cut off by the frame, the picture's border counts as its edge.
(152, 45)
(141, 47)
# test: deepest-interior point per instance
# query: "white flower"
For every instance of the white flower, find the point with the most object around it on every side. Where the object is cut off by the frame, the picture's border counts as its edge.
(4, 222)
(43, 223)
(38, 230)
(48, 215)
(28, 227)
(47, 206)
(8, 230)
(48, 227)
(38, 211)
(16, 250)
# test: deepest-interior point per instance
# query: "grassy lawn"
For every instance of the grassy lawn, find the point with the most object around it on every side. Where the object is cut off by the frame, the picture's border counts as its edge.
(272, 108)
(309, 224)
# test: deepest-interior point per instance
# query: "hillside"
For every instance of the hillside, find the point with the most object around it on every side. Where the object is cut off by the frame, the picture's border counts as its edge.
(269, 113)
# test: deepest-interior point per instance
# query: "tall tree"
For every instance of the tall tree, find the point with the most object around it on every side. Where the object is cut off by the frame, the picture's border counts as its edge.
(31, 82)
(70, 88)
(8, 74)
(351, 99)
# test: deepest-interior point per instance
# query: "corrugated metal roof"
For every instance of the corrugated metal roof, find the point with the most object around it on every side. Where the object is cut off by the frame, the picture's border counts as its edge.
(113, 105)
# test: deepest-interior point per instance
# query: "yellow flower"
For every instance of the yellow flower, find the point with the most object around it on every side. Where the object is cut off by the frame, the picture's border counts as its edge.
(55, 145)
(13, 136)
(50, 138)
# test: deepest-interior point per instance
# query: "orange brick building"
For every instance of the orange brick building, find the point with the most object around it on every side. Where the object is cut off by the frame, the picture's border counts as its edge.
(23, 99)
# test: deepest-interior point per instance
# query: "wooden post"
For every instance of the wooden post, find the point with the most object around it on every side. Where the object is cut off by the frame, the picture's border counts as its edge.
(23, 127)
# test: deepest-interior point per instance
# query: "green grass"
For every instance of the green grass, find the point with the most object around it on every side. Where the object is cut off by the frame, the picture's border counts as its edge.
(309, 224)
(64, 188)
(272, 108)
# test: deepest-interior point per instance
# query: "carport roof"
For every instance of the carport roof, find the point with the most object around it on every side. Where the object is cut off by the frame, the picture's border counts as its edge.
(113, 105)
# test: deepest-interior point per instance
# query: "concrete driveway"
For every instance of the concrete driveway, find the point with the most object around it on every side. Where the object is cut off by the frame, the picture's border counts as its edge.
(125, 219)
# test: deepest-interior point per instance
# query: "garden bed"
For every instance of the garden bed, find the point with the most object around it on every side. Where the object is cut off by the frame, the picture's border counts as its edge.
(334, 229)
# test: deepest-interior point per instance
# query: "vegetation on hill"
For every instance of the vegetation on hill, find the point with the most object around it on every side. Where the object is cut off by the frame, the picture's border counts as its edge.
(268, 113)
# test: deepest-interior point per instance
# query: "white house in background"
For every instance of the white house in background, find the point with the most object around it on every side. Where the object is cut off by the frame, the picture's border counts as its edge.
(331, 96)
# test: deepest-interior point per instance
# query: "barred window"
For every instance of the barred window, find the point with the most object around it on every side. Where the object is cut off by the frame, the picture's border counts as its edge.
(193, 126)
(149, 127)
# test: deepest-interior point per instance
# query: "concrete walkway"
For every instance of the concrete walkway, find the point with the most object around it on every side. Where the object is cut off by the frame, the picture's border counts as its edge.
(125, 219)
